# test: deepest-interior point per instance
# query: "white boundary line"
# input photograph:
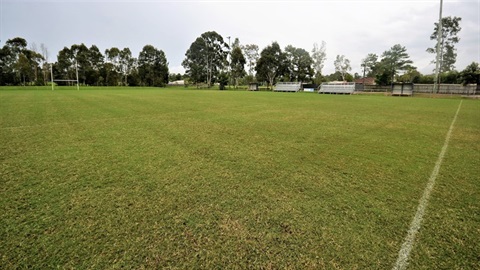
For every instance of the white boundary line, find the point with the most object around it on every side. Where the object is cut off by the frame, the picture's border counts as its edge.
(404, 253)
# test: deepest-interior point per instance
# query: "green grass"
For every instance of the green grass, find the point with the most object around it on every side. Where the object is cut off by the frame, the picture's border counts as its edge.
(162, 178)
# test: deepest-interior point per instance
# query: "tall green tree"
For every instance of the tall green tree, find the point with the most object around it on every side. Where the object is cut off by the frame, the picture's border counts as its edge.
(65, 65)
(448, 39)
(28, 66)
(299, 64)
(81, 56)
(195, 62)
(319, 56)
(6, 67)
(237, 64)
(342, 65)
(206, 58)
(271, 64)
(69, 60)
(36, 61)
(394, 60)
(368, 64)
(45, 64)
(126, 64)
(216, 52)
(251, 55)
(112, 69)
(17, 44)
(153, 66)
(471, 74)
(24, 69)
(88, 62)
(17, 63)
(411, 75)
(94, 67)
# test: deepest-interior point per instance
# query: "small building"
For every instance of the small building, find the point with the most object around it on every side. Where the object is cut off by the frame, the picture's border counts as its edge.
(253, 87)
(360, 84)
(366, 81)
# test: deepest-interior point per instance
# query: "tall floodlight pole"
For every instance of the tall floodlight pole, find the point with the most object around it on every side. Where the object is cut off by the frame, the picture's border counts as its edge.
(439, 39)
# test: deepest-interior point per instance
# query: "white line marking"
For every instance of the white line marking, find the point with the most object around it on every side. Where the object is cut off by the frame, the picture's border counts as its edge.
(404, 253)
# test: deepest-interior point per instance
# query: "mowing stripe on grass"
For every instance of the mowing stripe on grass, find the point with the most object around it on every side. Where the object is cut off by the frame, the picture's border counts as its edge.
(404, 253)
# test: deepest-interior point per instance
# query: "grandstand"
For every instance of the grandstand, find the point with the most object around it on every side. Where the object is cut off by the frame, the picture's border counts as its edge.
(288, 87)
(402, 89)
(337, 88)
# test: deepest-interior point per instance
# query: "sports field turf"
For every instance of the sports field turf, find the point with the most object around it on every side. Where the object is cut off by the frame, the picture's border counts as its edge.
(194, 179)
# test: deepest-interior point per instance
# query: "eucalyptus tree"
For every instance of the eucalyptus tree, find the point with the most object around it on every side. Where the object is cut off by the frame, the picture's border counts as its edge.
(16, 46)
(237, 64)
(251, 55)
(126, 63)
(342, 65)
(271, 64)
(23, 67)
(95, 66)
(206, 58)
(65, 65)
(369, 64)
(17, 63)
(448, 39)
(112, 59)
(152, 66)
(299, 64)
(471, 74)
(36, 61)
(5, 68)
(319, 56)
(45, 64)
(81, 56)
(9, 55)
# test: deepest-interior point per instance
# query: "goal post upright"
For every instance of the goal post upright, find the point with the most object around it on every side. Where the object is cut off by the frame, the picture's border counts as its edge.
(76, 71)
(51, 74)
(70, 82)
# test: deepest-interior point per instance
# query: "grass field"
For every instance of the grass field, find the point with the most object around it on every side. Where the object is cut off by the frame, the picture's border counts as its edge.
(188, 179)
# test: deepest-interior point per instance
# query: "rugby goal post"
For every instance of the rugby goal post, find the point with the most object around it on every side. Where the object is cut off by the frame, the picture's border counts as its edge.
(53, 80)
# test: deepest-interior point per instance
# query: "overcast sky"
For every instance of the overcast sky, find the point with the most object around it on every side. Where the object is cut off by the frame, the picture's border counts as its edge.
(351, 28)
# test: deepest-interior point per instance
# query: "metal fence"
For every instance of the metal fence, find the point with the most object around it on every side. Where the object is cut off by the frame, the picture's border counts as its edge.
(447, 89)
(457, 89)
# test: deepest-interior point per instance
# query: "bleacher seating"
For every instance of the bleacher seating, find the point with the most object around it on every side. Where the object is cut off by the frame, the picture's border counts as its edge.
(402, 89)
(288, 87)
(337, 88)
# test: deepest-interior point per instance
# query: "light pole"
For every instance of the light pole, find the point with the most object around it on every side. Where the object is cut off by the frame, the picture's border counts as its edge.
(439, 38)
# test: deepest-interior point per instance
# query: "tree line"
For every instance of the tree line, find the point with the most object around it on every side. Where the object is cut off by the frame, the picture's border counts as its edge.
(22, 65)
(210, 60)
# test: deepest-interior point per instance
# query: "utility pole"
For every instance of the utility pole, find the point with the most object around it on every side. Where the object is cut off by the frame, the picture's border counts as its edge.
(439, 38)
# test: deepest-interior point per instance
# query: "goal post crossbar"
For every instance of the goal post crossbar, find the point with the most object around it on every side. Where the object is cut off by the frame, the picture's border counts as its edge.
(63, 80)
